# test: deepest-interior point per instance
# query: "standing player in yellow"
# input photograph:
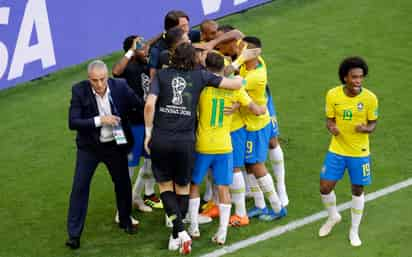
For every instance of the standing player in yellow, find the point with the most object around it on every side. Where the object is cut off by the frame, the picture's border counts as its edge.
(214, 147)
(351, 115)
(258, 135)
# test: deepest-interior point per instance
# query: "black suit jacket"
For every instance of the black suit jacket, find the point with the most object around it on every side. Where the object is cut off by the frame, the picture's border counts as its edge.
(83, 109)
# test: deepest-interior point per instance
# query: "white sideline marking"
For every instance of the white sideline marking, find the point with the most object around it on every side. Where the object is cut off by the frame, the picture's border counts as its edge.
(301, 222)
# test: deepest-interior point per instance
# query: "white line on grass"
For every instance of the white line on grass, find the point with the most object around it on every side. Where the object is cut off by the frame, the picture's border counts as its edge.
(301, 222)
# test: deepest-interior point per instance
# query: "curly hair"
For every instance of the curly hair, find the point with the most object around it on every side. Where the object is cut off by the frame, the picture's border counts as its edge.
(184, 57)
(351, 63)
(128, 42)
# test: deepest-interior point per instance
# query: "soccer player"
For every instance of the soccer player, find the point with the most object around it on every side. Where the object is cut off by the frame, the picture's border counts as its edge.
(258, 135)
(275, 155)
(174, 18)
(133, 67)
(170, 111)
(276, 152)
(208, 30)
(351, 115)
(214, 148)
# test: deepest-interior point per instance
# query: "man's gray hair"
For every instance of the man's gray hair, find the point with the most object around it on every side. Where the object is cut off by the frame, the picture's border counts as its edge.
(96, 64)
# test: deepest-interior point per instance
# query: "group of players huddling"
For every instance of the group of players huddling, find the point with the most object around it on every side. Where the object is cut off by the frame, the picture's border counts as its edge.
(209, 115)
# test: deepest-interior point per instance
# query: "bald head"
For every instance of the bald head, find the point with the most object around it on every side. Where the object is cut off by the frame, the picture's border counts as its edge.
(208, 28)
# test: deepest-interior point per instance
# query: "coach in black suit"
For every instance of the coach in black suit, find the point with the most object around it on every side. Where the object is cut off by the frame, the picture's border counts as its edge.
(97, 106)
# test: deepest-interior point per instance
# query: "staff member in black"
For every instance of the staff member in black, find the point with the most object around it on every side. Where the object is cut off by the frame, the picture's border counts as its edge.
(170, 111)
(97, 112)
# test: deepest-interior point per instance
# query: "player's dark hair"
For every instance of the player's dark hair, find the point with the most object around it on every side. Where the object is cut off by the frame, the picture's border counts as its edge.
(173, 36)
(351, 63)
(215, 62)
(128, 42)
(172, 18)
(254, 41)
(184, 57)
(225, 28)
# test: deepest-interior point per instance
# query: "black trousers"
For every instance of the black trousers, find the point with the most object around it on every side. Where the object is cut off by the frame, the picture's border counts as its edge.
(86, 164)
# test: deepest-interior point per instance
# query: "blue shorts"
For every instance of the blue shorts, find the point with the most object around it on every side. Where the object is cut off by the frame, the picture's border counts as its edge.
(220, 164)
(137, 150)
(359, 168)
(257, 145)
(272, 113)
(239, 147)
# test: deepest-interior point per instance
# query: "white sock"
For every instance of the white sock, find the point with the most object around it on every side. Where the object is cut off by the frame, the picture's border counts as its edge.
(224, 215)
(207, 196)
(138, 185)
(256, 192)
(193, 211)
(268, 188)
(247, 186)
(358, 203)
(131, 171)
(149, 181)
(278, 166)
(329, 201)
(237, 190)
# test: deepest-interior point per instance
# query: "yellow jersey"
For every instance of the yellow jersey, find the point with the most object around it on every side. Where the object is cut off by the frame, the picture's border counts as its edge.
(350, 112)
(213, 129)
(256, 81)
(237, 120)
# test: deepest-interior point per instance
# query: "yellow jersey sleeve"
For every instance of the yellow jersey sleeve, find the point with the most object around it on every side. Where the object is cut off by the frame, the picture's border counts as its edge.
(373, 108)
(329, 107)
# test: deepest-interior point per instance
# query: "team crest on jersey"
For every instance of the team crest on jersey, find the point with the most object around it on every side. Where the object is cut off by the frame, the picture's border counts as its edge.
(178, 85)
(360, 106)
(323, 169)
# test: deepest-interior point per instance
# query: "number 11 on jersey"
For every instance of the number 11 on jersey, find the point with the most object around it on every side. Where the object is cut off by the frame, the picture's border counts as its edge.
(218, 106)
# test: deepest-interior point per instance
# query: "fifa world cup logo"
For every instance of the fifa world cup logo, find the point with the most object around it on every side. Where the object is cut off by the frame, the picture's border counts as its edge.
(178, 85)
(145, 85)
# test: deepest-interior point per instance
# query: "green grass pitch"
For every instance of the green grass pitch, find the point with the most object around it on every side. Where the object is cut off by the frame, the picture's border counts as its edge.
(303, 43)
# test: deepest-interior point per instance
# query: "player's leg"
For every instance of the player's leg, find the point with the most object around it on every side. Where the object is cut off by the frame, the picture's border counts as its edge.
(360, 175)
(278, 165)
(238, 187)
(256, 155)
(150, 197)
(332, 171)
(183, 162)
(134, 159)
(202, 164)
(223, 177)
(164, 170)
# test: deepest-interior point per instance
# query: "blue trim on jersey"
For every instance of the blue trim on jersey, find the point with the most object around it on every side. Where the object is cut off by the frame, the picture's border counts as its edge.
(137, 150)
(239, 147)
(257, 145)
(221, 166)
(359, 168)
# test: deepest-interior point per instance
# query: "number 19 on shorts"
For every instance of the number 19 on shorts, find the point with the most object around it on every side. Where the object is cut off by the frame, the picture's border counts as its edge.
(366, 171)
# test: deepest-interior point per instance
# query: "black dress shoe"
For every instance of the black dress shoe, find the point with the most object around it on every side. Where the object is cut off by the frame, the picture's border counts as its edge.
(73, 242)
(129, 229)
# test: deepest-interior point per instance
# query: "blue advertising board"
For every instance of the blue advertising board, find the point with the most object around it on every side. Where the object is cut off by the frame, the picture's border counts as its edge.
(38, 37)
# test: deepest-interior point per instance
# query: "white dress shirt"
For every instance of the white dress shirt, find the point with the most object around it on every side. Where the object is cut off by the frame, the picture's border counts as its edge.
(103, 105)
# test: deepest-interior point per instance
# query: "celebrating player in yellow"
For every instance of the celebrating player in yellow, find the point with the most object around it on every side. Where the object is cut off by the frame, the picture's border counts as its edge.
(351, 115)
(214, 147)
